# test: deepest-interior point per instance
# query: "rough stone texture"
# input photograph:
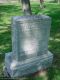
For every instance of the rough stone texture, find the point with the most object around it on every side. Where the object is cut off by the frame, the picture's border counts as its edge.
(18, 69)
(29, 45)
(30, 36)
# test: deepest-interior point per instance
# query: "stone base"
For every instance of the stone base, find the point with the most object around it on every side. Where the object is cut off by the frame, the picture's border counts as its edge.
(28, 66)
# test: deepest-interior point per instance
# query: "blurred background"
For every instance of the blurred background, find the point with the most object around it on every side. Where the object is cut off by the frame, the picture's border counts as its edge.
(9, 8)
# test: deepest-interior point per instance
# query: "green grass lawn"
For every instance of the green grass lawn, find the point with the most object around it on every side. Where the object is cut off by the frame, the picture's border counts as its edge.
(51, 9)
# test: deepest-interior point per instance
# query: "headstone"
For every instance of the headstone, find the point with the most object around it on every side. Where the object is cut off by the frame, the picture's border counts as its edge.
(29, 45)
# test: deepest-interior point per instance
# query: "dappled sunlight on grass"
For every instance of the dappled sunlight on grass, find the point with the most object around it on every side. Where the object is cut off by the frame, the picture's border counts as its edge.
(53, 10)
(5, 38)
(2, 31)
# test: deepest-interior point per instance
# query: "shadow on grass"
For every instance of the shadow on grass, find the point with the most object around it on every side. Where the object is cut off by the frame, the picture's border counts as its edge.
(6, 11)
(54, 43)
(10, 9)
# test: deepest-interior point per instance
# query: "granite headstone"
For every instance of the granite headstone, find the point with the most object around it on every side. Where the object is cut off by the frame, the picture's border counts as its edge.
(30, 53)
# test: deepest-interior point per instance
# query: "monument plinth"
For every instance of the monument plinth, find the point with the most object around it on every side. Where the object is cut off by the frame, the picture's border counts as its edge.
(29, 45)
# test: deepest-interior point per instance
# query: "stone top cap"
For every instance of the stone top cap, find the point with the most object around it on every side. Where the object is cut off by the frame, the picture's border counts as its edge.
(31, 17)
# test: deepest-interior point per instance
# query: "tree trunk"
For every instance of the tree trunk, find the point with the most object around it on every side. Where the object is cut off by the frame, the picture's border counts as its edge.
(58, 1)
(26, 7)
(41, 3)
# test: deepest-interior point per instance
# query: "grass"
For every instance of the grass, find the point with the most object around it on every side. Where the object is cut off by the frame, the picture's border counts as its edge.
(51, 9)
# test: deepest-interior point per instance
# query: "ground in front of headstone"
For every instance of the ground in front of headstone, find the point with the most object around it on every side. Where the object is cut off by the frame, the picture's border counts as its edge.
(42, 74)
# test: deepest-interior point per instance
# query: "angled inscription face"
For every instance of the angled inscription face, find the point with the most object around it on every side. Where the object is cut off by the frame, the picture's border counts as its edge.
(30, 37)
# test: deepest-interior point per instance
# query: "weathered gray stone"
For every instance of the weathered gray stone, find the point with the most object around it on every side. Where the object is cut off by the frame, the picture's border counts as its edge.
(29, 45)
(18, 69)
(30, 36)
